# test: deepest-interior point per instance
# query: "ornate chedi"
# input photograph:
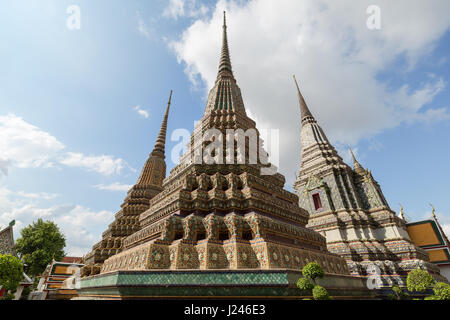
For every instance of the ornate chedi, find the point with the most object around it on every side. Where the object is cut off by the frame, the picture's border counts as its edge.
(137, 201)
(221, 215)
(347, 206)
(218, 227)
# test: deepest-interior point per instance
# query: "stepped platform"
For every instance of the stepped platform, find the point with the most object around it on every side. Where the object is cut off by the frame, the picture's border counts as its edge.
(217, 284)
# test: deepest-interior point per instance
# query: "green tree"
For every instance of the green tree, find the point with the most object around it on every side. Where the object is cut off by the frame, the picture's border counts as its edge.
(441, 291)
(11, 273)
(320, 293)
(310, 273)
(40, 243)
(305, 284)
(419, 281)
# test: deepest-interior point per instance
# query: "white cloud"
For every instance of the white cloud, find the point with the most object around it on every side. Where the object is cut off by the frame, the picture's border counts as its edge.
(40, 195)
(142, 112)
(183, 8)
(407, 103)
(105, 164)
(431, 116)
(334, 55)
(23, 145)
(446, 228)
(175, 9)
(375, 145)
(81, 226)
(142, 27)
(116, 186)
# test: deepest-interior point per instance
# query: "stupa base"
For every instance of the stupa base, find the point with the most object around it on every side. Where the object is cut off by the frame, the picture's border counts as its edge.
(225, 284)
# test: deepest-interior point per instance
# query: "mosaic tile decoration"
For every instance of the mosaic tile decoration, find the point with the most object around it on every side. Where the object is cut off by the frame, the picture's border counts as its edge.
(236, 283)
(185, 278)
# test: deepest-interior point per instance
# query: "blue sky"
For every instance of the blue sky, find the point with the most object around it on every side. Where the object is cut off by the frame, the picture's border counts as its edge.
(72, 139)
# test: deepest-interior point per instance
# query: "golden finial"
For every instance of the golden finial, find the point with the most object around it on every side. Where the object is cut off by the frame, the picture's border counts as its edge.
(433, 211)
(402, 214)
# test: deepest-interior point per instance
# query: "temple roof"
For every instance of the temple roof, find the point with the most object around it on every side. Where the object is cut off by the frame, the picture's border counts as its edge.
(429, 235)
(425, 233)
(428, 232)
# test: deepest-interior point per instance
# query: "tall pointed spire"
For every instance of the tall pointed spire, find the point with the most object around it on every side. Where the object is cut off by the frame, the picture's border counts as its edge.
(304, 110)
(311, 133)
(356, 165)
(225, 62)
(154, 170)
(148, 185)
(225, 96)
(161, 140)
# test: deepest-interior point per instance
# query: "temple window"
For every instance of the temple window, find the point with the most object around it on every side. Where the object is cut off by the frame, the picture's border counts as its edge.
(317, 202)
